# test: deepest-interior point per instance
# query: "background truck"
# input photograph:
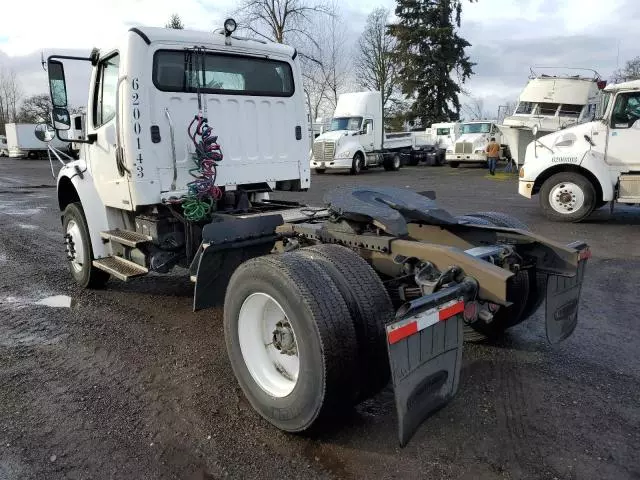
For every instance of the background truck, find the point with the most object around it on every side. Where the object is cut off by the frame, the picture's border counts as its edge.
(356, 139)
(4, 148)
(322, 306)
(445, 135)
(581, 168)
(473, 139)
(22, 142)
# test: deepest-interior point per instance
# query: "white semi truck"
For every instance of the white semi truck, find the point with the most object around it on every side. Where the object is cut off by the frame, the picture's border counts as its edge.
(470, 145)
(579, 169)
(188, 133)
(21, 141)
(356, 139)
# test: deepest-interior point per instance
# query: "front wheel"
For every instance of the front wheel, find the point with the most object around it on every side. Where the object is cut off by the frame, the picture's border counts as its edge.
(79, 251)
(454, 164)
(320, 171)
(357, 164)
(567, 197)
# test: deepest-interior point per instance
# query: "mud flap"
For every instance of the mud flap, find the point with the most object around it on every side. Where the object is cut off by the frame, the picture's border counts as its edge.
(227, 242)
(563, 299)
(425, 355)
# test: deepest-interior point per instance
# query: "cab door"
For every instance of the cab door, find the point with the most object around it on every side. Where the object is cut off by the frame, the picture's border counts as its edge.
(110, 180)
(366, 136)
(624, 132)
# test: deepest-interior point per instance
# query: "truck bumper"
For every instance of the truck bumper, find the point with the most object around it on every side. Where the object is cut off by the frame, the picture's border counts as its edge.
(336, 163)
(525, 188)
(466, 157)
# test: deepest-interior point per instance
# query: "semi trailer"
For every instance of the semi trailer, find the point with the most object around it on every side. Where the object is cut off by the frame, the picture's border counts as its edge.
(187, 136)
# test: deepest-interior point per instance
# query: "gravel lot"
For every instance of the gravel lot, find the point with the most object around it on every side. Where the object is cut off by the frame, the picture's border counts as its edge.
(128, 383)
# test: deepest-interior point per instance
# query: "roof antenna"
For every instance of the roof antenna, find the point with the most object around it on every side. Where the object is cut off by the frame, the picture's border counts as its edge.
(42, 62)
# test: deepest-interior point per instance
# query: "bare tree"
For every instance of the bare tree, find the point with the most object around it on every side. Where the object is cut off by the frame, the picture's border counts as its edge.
(631, 71)
(375, 67)
(175, 22)
(332, 40)
(281, 20)
(35, 109)
(10, 94)
(474, 108)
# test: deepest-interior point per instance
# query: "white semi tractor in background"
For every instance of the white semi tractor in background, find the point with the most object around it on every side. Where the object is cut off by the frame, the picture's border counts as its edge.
(579, 169)
(21, 141)
(356, 139)
(445, 135)
(470, 145)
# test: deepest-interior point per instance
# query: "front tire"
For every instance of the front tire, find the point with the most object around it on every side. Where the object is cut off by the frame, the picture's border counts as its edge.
(289, 339)
(454, 164)
(320, 171)
(79, 250)
(358, 164)
(567, 197)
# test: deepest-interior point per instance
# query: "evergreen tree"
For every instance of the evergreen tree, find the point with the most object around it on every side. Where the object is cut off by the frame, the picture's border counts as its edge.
(175, 22)
(430, 53)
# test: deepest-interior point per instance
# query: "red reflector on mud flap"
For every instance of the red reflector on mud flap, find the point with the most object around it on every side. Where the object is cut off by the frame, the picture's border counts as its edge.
(584, 254)
(397, 332)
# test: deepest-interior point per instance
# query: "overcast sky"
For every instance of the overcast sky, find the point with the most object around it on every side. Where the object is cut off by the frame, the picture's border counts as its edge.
(507, 36)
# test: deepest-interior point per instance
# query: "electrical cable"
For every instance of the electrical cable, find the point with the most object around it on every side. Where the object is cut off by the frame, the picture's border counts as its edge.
(202, 192)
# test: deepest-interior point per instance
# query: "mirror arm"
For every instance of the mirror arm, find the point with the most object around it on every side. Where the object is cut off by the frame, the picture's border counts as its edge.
(92, 137)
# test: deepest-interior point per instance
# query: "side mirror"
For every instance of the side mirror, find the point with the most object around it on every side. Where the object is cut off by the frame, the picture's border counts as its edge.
(44, 132)
(61, 118)
(57, 84)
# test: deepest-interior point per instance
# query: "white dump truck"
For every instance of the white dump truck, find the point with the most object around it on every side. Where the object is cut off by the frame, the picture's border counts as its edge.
(581, 168)
(21, 141)
(470, 145)
(356, 139)
(188, 133)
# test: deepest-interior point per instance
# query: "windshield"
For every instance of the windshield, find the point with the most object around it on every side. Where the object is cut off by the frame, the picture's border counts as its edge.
(476, 128)
(345, 123)
(442, 131)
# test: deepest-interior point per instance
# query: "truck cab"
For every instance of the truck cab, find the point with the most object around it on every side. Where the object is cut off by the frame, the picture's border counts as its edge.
(174, 133)
(470, 145)
(581, 168)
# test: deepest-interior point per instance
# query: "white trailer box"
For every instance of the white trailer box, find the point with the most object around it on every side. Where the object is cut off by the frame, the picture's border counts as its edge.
(22, 142)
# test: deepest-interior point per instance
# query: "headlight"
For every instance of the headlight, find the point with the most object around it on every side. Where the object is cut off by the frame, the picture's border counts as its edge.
(449, 151)
(345, 154)
(479, 151)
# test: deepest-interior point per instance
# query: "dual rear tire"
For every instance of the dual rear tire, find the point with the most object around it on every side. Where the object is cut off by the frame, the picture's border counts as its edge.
(305, 333)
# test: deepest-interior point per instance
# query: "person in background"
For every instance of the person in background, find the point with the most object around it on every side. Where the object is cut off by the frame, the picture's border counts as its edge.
(493, 154)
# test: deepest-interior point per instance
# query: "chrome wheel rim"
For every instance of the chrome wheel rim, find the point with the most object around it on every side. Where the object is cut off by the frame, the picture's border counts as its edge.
(75, 246)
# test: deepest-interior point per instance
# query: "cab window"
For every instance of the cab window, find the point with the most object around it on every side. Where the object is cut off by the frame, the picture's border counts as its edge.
(104, 100)
(626, 110)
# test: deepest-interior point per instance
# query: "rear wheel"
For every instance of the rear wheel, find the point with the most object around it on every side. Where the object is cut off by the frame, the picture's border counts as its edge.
(393, 164)
(567, 197)
(369, 305)
(358, 164)
(79, 250)
(290, 340)
(454, 164)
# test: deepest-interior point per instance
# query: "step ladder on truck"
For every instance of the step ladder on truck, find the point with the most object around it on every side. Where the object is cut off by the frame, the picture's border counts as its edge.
(187, 136)
(582, 168)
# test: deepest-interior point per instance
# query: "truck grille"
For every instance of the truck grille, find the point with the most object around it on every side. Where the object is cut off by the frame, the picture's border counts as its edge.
(464, 147)
(323, 151)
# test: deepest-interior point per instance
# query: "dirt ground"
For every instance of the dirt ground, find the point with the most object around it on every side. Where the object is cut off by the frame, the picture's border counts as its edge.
(128, 383)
